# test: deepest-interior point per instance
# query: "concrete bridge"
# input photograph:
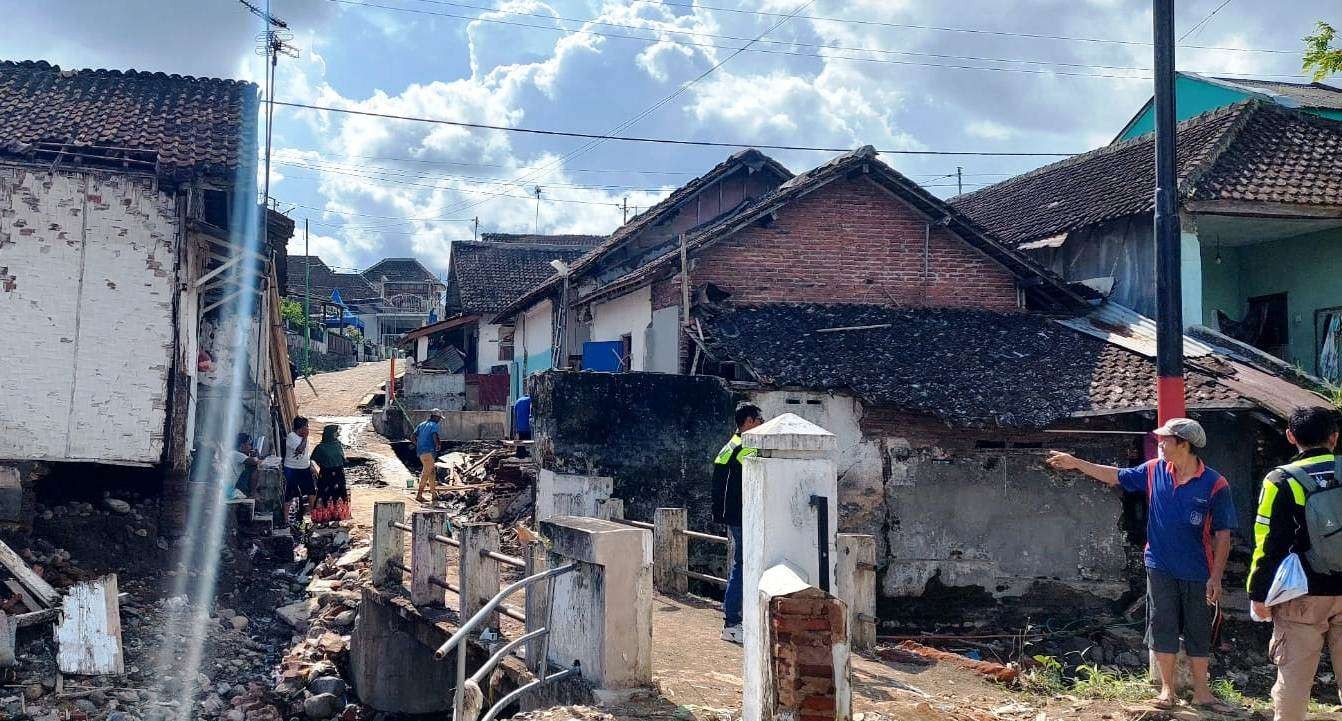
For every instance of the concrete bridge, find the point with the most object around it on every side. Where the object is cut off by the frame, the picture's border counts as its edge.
(597, 608)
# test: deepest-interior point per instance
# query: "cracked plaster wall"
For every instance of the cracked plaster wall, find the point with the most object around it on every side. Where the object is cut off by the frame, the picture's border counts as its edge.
(87, 270)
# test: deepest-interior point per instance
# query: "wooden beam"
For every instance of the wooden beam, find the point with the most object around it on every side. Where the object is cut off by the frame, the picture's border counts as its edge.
(222, 267)
(41, 591)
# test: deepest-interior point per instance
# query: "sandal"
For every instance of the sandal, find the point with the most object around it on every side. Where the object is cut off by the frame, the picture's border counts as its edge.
(1218, 707)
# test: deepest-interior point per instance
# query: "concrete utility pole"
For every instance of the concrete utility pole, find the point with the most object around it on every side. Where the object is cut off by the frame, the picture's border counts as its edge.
(476, 220)
(959, 180)
(1169, 291)
(307, 300)
(625, 206)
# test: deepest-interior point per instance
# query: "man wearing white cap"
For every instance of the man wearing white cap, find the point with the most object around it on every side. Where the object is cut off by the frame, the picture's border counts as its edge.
(1189, 518)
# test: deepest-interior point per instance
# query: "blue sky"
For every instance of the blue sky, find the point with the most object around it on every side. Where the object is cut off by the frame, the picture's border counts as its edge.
(913, 75)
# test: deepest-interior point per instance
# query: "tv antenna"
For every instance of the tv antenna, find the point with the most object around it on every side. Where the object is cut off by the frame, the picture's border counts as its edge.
(537, 190)
(271, 44)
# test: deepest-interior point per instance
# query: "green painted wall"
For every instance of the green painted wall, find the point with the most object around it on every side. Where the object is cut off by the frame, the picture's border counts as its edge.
(1194, 97)
(1307, 268)
(1191, 97)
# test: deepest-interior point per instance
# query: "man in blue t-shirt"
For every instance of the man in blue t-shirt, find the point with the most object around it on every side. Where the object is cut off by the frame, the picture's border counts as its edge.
(427, 443)
(1189, 519)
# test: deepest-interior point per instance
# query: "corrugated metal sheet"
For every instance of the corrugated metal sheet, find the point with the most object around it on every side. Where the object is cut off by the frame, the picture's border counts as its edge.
(1128, 329)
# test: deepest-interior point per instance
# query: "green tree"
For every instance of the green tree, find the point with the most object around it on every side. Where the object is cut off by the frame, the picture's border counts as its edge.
(292, 312)
(1320, 56)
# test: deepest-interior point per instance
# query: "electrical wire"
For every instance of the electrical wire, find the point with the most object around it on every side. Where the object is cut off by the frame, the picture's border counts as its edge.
(1203, 21)
(663, 141)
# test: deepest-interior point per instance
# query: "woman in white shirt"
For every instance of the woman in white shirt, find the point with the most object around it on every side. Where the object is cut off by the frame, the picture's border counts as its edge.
(298, 478)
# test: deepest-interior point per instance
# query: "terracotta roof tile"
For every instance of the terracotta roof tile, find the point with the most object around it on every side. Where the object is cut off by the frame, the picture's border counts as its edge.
(486, 276)
(188, 125)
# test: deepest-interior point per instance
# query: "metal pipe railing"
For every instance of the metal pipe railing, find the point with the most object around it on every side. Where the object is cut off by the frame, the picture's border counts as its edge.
(703, 536)
(445, 540)
(635, 524)
(458, 639)
(402, 525)
(494, 660)
(702, 576)
(399, 566)
(506, 560)
(502, 703)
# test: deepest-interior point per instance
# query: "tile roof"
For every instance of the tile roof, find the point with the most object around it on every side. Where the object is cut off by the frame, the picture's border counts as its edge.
(1306, 95)
(1044, 288)
(178, 125)
(585, 241)
(354, 288)
(1024, 371)
(486, 277)
(399, 270)
(748, 158)
(1249, 151)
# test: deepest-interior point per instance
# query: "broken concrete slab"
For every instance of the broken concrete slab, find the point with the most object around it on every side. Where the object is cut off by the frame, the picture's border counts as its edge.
(353, 556)
(295, 614)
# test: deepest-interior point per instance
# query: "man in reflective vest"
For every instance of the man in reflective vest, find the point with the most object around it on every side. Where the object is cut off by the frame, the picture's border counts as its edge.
(727, 510)
(1301, 625)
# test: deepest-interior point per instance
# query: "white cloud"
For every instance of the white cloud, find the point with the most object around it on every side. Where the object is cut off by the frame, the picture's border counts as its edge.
(988, 130)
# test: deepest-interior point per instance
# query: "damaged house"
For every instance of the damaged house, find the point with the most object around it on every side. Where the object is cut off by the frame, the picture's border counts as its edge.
(129, 238)
(945, 361)
(1260, 204)
(462, 364)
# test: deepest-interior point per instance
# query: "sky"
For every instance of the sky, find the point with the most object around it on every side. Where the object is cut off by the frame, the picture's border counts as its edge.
(994, 76)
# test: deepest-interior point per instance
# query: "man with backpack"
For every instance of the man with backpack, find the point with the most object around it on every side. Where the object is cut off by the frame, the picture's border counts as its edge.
(1298, 512)
(1189, 518)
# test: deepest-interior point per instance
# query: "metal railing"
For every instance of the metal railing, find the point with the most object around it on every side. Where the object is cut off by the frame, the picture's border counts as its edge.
(542, 634)
(674, 555)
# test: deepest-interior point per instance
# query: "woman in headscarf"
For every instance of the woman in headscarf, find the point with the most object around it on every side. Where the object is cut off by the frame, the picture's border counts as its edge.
(332, 497)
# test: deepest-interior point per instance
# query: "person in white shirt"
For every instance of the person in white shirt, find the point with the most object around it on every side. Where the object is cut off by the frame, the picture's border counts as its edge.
(298, 479)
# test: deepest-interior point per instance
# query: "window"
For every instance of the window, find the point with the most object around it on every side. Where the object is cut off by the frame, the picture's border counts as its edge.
(1270, 326)
(505, 342)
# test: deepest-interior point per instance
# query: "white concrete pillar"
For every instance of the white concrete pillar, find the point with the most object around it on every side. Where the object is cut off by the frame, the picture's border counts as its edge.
(428, 558)
(388, 544)
(855, 584)
(782, 490)
(601, 614)
(479, 574)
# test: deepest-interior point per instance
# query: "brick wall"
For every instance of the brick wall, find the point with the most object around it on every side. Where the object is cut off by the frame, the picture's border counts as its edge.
(853, 242)
(803, 628)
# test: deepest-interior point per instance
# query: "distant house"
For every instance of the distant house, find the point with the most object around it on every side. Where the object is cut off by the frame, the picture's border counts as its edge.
(1196, 94)
(128, 231)
(483, 278)
(1260, 202)
(412, 295)
(942, 358)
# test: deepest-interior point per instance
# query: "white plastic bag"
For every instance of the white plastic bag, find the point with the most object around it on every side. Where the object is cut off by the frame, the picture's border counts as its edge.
(1289, 583)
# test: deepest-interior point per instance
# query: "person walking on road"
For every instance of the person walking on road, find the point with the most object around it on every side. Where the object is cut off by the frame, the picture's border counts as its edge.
(427, 443)
(727, 511)
(1299, 513)
(1189, 519)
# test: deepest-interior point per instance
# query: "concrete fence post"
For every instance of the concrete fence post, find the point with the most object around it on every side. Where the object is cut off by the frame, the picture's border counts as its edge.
(388, 545)
(602, 611)
(610, 509)
(855, 585)
(670, 550)
(479, 575)
(427, 558)
(537, 603)
(790, 505)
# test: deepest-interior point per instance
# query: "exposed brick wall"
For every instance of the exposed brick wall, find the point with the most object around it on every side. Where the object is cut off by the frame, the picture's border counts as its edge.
(853, 242)
(803, 629)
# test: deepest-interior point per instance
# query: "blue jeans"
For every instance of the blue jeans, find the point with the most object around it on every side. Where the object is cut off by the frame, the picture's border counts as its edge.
(731, 600)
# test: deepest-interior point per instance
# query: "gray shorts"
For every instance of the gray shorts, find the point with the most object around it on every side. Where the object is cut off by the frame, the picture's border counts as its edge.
(1178, 609)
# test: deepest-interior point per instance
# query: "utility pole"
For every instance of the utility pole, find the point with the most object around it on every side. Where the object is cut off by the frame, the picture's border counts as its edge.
(625, 205)
(273, 42)
(1169, 293)
(537, 191)
(959, 180)
(476, 220)
(307, 300)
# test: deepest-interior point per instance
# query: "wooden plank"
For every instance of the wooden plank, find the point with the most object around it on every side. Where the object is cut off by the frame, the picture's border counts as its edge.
(41, 591)
(88, 637)
(8, 628)
(670, 550)
(855, 584)
(17, 589)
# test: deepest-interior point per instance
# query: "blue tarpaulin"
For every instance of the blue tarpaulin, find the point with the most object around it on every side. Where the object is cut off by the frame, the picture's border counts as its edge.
(602, 355)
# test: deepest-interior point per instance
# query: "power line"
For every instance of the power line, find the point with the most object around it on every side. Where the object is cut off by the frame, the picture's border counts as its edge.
(976, 31)
(467, 191)
(1203, 21)
(826, 56)
(662, 141)
(396, 172)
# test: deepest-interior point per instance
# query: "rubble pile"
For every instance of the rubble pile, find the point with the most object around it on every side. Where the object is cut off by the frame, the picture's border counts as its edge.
(486, 481)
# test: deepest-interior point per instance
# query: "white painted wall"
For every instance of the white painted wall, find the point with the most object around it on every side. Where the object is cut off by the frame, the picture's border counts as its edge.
(629, 314)
(534, 335)
(487, 350)
(86, 314)
(1190, 272)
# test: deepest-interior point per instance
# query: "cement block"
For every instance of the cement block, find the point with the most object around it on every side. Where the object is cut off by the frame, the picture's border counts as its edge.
(602, 612)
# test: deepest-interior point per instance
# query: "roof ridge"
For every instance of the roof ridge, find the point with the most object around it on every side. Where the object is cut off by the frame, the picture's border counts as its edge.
(44, 66)
(1228, 137)
(1193, 122)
